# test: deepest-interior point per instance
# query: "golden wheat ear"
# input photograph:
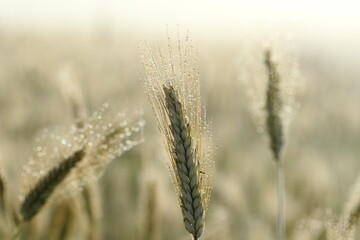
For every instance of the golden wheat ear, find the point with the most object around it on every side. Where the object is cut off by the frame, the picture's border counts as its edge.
(43, 189)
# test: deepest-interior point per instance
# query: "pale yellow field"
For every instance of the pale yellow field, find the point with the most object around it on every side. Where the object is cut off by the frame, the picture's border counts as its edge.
(321, 154)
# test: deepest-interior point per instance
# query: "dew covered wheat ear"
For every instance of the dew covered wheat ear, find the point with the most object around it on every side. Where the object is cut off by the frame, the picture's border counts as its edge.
(172, 87)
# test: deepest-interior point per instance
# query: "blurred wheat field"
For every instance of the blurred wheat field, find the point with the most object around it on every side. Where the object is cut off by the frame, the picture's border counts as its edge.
(321, 157)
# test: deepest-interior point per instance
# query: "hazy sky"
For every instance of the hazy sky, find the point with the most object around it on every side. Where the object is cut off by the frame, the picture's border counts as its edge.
(198, 14)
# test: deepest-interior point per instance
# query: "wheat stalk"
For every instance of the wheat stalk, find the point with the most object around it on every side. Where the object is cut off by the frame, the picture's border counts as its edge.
(172, 86)
(275, 133)
(271, 88)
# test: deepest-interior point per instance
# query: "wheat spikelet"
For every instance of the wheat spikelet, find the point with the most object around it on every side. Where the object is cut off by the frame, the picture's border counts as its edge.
(38, 196)
(172, 86)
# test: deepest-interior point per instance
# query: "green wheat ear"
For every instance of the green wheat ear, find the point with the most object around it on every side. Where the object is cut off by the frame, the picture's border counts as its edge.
(172, 87)
(43, 189)
(273, 108)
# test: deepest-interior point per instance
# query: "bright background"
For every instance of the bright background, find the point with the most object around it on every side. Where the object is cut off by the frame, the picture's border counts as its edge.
(100, 39)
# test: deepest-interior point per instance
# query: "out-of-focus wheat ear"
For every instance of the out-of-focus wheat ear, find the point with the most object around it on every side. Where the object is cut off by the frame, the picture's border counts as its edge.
(351, 213)
(72, 93)
(273, 107)
(43, 189)
(152, 221)
(186, 166)
(275, 131)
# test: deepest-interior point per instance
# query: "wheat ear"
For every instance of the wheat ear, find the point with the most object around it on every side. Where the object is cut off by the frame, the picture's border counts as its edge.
(273, 107)
(173, 89)
(43, 189)
(275, 132)
(186, 166)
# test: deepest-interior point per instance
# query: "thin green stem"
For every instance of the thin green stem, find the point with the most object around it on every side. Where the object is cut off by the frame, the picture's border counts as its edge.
(280, 180)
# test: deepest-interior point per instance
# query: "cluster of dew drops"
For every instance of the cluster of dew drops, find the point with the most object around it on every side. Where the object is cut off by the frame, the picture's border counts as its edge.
(58, 143)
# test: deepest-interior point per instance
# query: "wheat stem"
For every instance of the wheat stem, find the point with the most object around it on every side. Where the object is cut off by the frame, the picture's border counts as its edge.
(152, 212)
(280, 181)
